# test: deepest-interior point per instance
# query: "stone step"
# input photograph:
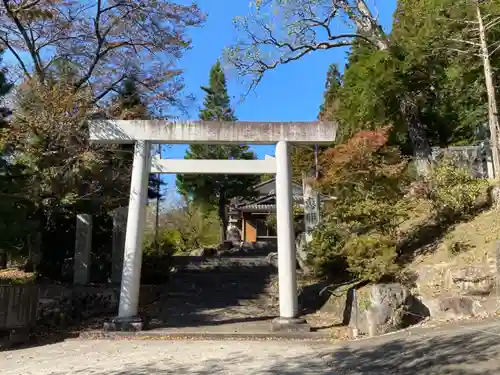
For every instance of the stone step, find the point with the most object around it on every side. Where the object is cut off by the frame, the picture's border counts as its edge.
(221, 263)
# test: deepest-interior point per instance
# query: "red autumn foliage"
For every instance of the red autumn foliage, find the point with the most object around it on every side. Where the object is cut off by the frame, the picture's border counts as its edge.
(361, 161)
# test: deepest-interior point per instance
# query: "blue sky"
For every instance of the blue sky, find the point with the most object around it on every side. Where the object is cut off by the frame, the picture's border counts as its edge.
(293, 92)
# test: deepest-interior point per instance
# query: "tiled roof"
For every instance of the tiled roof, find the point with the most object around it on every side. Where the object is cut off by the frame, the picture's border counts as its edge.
(258, 207)
(262, 204)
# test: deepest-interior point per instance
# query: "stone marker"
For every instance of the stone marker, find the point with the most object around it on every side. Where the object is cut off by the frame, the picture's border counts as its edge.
(83, 249)
(119, 216)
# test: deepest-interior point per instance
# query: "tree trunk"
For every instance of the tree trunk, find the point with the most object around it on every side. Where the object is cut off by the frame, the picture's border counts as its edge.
(35, 244)
(222, 217)
(490, 89)
(3, 259)
(417, 133)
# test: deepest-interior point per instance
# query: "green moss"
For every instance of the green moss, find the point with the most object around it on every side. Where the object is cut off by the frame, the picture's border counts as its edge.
(364, 298)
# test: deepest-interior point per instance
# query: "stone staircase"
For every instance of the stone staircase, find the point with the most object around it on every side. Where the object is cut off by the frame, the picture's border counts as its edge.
(218, 290)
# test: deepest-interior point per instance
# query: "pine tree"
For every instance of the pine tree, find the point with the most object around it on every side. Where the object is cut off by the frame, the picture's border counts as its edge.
(129, 103)
(332, 87)
(304, 156)
(130, 106)
(217, 190)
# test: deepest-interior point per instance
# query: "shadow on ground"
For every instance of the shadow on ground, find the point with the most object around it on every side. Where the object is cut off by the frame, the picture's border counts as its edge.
(461, 354)
(469, 353)
(215, 291)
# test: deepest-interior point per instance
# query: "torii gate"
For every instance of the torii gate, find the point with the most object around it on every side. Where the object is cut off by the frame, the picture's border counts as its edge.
(144, 133)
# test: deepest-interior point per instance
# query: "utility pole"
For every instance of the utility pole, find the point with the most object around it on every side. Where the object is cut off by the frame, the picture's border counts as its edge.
(481, 28)
(490, 89)
(157, 218)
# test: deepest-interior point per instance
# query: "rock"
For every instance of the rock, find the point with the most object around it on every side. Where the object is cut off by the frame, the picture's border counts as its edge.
(272, 259)
(494, 196)
(225, 246)
(54, 312)
(431, 277)
(61, 306)
(474, 280)
(382, 308)
(458, 307)
(301, 253)
(204, 252)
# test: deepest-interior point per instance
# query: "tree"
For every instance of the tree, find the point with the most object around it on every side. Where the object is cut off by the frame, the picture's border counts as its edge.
(10, 210)
(299, 27)
(369, 179)
(477, 37)
(217, 190)
(128, 105)
(101, 38)
(73, 56)
(305, 157)
(330, 97)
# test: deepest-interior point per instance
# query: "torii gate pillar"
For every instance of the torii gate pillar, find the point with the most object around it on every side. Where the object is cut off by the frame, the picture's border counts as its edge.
(287, 262)
(144, 133)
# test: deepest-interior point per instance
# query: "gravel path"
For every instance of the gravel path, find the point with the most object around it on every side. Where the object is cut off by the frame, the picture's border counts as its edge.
(163, 357)
(472, 349)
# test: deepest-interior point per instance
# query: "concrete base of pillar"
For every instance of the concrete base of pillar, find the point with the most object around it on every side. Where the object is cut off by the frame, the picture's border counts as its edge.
(135, 323)
(290, 325)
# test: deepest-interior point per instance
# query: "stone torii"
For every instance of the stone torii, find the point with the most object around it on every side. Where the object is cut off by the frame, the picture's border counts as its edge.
(144, 133)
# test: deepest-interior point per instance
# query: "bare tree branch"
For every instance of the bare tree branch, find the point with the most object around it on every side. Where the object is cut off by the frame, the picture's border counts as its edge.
(99, 39)
(466, 42)
(24, 32)
(298, 28)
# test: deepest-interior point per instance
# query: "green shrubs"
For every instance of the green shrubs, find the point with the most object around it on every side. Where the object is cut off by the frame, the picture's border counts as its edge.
(360, 236)
(371, 256)
(167, 242)
(184, 229)
(453, 191)
(359, 230)
(325, 253)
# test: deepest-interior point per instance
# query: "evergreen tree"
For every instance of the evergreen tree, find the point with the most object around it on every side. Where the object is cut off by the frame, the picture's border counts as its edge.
(304, 156)
(330, 97)
(130, 106)
(13, 209)
(129, 102)
(217, 190)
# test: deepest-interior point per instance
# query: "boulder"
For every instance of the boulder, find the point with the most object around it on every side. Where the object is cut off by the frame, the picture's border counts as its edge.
(204, 252)
(473, 280)
(457, 307)
(381, 308)
(54, 312)
(494, 196)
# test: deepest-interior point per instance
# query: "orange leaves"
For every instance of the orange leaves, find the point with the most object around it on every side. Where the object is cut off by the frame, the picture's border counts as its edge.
(362, 162)
(362, 144)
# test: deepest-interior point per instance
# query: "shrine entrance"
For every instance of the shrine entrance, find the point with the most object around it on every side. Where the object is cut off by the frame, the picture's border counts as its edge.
(144, 133)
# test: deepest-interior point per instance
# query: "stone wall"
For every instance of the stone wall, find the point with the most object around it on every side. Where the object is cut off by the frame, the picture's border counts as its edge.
(477, 159)
(18, 306)
(455, 291)
(64, 305)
